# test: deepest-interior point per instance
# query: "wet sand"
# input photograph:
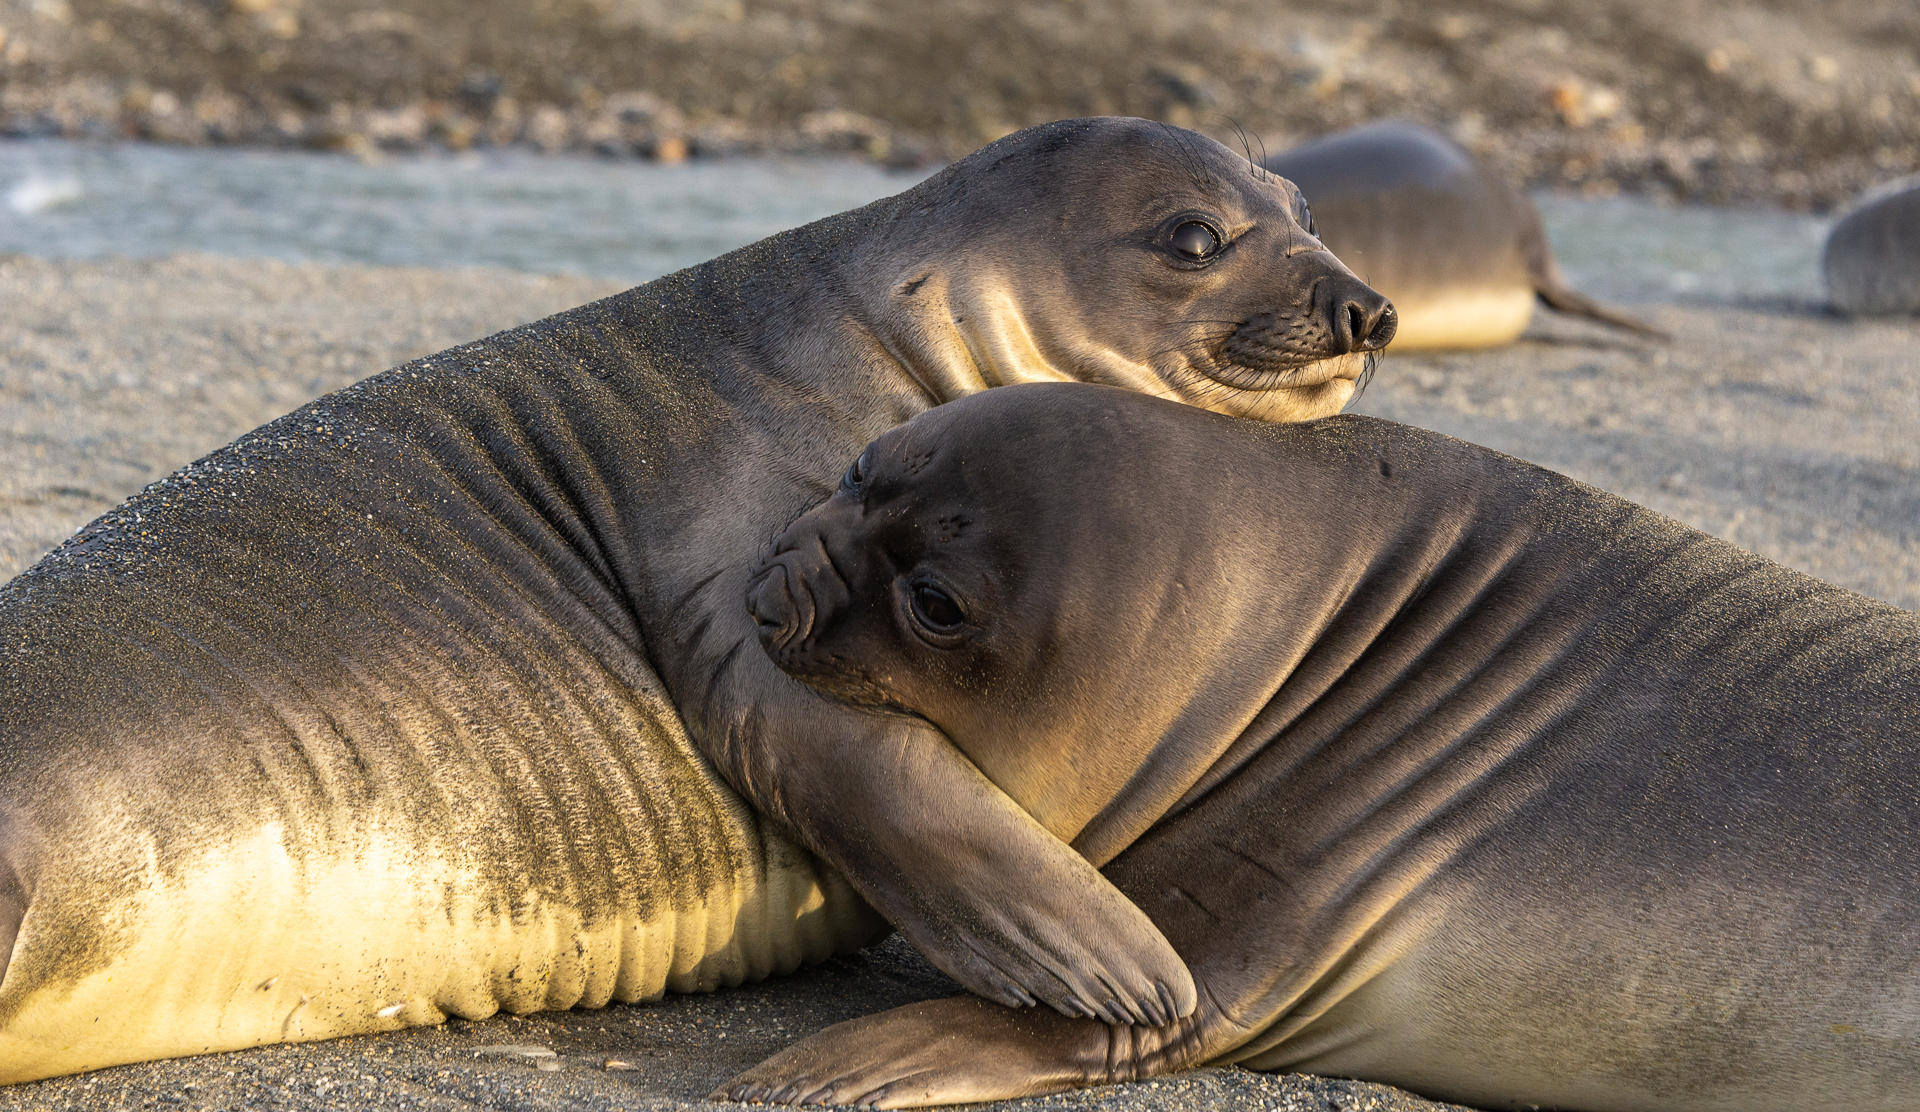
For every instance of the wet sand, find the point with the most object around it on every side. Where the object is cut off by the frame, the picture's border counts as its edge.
(1785, 430)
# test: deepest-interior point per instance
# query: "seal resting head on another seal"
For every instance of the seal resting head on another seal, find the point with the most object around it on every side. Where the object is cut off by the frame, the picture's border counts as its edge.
(1461, 253)
(1438, 768)
(417, 701)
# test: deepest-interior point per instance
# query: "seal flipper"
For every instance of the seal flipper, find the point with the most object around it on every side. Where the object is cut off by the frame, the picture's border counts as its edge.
(989, 895)
(964, 1050)
(1550, 284)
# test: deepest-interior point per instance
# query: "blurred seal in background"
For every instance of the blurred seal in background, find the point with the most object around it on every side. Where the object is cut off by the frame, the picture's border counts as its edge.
(1461, 253)
(1872, 257)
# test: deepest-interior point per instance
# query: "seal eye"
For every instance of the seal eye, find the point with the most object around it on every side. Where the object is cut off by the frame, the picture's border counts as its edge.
(1303, 214)
(935, 609)
(856, 476)
(1194, 241)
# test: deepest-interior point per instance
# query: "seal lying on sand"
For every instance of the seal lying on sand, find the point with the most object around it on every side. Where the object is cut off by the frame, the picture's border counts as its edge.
(1872, 256)
(1461, 253)
(1439, 769)
(369, 718)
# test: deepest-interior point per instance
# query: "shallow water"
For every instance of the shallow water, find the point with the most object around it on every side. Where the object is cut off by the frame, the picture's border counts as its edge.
(635, 220)
(555, 214)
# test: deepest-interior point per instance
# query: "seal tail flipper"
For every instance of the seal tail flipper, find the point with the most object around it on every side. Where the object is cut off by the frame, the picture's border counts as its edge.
(1567, 300)
(1550, 284)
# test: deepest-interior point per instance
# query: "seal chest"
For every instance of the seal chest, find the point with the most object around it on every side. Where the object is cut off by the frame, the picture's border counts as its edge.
(265, 939)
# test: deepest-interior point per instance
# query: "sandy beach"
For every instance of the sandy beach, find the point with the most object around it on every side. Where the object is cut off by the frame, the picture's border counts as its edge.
(1786, 430)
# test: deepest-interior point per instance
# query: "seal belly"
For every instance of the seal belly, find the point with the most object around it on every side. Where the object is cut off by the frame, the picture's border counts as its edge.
(257, 943)
(333, 762)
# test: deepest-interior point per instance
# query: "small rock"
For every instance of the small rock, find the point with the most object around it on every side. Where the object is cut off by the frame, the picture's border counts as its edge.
(548, 128)
(481, 91)
(668, 149)
(397, 129)
(618, 1064)
(280, 24)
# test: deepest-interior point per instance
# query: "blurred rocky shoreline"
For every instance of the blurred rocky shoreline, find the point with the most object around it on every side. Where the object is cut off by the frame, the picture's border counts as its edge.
(1794, 102)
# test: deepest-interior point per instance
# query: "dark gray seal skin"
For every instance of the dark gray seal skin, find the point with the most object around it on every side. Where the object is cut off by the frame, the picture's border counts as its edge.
(1872, 256)
(1461, 253)
(370, 718)
(1438, 768)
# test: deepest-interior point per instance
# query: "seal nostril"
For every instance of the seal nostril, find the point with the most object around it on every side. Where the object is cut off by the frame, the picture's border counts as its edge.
(1385, 323)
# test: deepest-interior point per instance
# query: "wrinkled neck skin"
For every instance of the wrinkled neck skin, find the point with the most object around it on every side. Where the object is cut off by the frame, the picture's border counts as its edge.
(963, 329)
(966, 323)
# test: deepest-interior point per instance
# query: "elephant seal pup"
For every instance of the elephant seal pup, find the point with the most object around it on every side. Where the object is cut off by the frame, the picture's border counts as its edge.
(1439, 769)
(1461, 253)
(1872, 256)
(370, 718)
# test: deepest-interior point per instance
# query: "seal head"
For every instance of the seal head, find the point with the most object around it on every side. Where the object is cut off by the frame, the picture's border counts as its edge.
(1192, 275)
(1060, 668)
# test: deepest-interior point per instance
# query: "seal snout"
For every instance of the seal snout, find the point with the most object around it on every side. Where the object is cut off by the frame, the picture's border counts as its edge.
(777, 612)
(1359, 317)
(1340, 316)
(798, 592)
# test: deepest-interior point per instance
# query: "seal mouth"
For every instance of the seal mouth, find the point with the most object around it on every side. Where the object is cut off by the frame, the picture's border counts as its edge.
(1310, 375)
(1323, 338)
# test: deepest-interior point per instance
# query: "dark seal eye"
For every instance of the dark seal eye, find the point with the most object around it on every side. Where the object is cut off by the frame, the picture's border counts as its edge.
(856, 476)
(1303, 214)
(1194, 240)
(935, 609)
